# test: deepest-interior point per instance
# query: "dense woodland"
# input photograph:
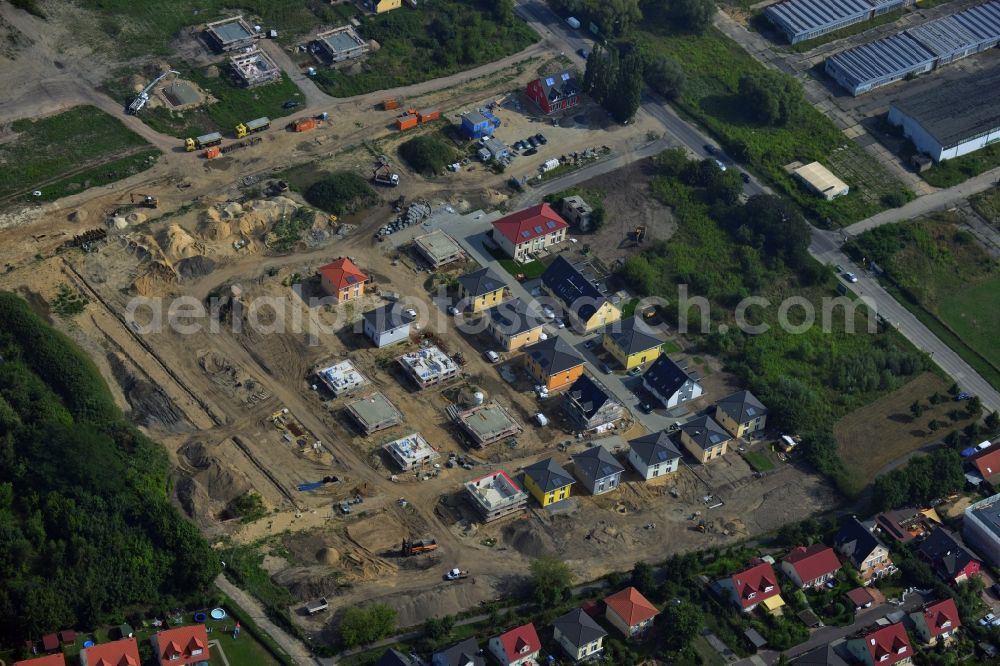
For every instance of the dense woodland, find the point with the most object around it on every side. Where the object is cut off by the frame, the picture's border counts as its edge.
(86, 530)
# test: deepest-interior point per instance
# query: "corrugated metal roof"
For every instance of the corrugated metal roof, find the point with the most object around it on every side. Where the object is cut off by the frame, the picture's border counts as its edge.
(936, 110)
(807, 15)
(982, 21)
(882, 58)
(944, 36)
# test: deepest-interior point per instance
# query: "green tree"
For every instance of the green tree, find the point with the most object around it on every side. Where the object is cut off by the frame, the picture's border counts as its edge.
(627, 91)
(974, 406)
(426, 154)
(992, 422)
(643, 578)
(360, 626)
(341, 193)
(551, 579)
(916, 409)
(616, 17)
(692, 15)
(681, 623)
(666, 76)
(503, 10)
(770, 97)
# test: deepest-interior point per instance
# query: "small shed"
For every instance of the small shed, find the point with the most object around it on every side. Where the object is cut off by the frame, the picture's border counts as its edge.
(821, 181)
(50, 642)
(861, 598)
(755, 638)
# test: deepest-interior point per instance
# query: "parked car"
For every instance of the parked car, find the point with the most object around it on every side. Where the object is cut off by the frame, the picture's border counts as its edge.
(531, 151)
(851, 277)
(533, 141)
(540, 138)
(987, 620)
(605, 368)
(646, 407)
(583, 53)
(745, 176)
(547, 311)
(710, 149)
(560, 323)
(635, 372)
(963, 396)
(290, 104)
(491, 356)
(452, 310)
(718, 163)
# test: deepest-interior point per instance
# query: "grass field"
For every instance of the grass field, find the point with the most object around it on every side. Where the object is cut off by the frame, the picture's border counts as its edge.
(234, 104)
(947, 279)
(70, 152)
(147, 28)
(761, 462)
(442, 38)
(987, 204)
(957, 170)
(871, 437)
(714, 65)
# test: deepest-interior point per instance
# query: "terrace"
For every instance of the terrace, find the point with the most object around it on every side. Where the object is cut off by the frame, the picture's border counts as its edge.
(230, 34)
(496, 495)
(340, 44)
(428, 366)
(341, 378)
(374, 413)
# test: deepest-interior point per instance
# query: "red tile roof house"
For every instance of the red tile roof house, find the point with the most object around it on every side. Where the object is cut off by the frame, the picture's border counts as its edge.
(937, 621)
(182, 645)
(861, 598)
(752, 586)
(47, 660)
(527, 232)
(343, 280)
(630, 612)
(518, 647)
(882, 646)
(812, 566)
(118, 653)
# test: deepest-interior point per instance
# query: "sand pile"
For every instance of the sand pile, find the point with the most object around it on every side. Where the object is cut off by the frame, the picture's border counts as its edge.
(248, 220)
(494, 197)
(136, 218)
(206, 487)
(157, 278)
(177, 243)
(329, 556)
(79, 216)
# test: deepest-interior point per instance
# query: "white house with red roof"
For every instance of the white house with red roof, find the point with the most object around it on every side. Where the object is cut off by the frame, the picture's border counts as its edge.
(527, 232)
(116, 653)
(48, 660)
(630, 612)
(937, 621)
(882, 646)
(811, 566)
(754, 586)
(343, 280)
(182, 645)
(518, 647)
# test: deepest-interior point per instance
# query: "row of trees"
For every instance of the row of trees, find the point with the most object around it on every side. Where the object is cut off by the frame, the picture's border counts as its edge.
(614, 78)
(88, 531)
(920, 480)
(616, 18)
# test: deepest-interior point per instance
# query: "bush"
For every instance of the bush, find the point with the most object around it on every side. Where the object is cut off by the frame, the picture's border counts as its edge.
(341, 193)
(666, 76)
(772, 98)
(360, 626)
(427, 154)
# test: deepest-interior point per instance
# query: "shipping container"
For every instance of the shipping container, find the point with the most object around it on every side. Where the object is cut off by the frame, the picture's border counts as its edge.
(390, 104)
(304, 125)
(405, 122)
(428, 115)
(212, 153)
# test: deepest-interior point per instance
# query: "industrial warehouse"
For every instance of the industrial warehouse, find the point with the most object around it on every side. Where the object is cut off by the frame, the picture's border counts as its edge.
(802, 20)
(942, 131)
(917, 50)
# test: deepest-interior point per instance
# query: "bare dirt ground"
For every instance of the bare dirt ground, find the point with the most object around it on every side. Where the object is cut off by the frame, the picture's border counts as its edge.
(210, 393)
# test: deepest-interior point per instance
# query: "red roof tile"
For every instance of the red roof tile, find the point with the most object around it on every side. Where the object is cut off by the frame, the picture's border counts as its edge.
(941, 616)
(342, 273)
(524, 225)
(755, 584)
(631, 606)
(520, 641)
(50, 642)
(813, 562)
(859, 596)
(890, 642)
(183, 642)
(988, 463)
(118, 653)
(47, 660)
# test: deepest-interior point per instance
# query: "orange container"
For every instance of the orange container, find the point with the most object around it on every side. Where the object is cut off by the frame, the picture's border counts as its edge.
(427, 116)
(390, 104)
(406, 122)
(212, 153)
(305, 125)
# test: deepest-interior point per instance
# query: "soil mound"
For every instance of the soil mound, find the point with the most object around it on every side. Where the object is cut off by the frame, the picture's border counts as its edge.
(177, 243)
(193, 267)
(528, 541)
(328, 556)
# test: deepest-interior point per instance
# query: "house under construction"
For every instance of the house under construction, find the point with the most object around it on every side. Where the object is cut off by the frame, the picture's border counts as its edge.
(485, 424)
(231, 34)
(255, 68)
(339, 44)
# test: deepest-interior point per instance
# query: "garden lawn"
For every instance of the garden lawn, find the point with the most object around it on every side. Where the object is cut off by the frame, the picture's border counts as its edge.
(974, 313)
(714, 65)
(958, 170)
(70, 152)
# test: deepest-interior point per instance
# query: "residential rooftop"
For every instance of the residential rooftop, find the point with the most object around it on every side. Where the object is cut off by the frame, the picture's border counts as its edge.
(486, 423)
(374, 412)
(495, 491)
(513, 317)
(410, 451)
(438, 247)
(428, 365)
(341, 377)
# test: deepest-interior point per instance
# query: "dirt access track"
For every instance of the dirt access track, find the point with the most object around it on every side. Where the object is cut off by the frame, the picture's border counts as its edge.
(211, 395)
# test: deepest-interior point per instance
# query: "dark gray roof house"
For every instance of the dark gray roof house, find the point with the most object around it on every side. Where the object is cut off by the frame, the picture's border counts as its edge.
(554, 355)
(481, 282)
(742, 406)
(576, 291)
(513, 317)
(394, 658)
(654, 448)
(387, 324)
(466, 653)
(597, 469)
(548, 475)
(632, 336)
(705, 432)
(576, 630)
(590, 405)
(855, 541)
(670, 383)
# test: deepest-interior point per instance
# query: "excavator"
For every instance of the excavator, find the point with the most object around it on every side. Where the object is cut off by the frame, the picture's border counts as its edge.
(145, 200)
(416, 547)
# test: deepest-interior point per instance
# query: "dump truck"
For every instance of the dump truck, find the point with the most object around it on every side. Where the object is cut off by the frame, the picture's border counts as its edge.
(304, 125)
(216, 151)
(390, 104)
(252, 126)
(416, 547)
(203, 141)
(384, 176)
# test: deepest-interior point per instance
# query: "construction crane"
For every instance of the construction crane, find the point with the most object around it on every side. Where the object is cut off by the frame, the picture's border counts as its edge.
(140, 100)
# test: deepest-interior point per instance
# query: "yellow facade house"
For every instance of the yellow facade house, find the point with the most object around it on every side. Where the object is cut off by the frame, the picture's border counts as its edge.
(481, 290)
(383, 6)
(632, 343)
(547, 481)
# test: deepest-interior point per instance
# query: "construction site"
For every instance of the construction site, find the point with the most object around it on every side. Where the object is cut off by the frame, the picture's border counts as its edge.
(354, 449)
(255, 68)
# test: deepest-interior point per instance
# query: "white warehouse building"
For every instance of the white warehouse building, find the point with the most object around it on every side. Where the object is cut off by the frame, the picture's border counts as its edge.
(801, 20)
(981, 528)
(942, 129)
